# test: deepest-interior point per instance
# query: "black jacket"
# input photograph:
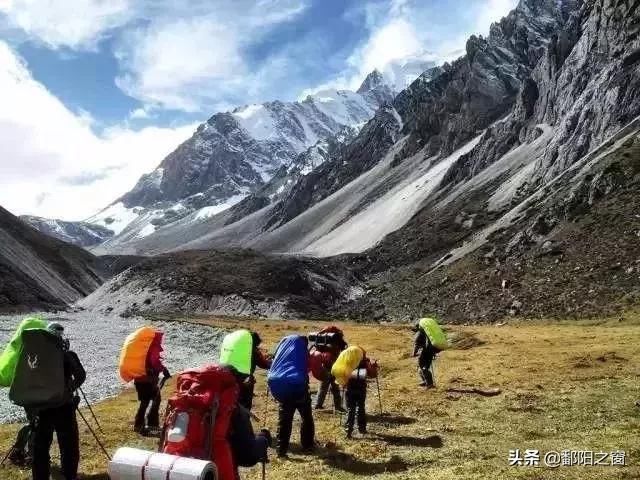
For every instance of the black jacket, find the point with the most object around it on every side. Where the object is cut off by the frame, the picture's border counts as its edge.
(423, 343)
(74, 372)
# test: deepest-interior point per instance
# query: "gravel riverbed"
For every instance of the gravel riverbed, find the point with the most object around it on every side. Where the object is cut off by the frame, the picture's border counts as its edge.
(98, 339)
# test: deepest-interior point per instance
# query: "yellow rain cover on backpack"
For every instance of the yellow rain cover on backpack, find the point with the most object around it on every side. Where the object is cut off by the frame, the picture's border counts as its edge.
(436, 336)
(346, 363)
(133, 357)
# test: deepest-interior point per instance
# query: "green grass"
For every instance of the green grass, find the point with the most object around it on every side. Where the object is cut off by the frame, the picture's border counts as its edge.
(564, 386)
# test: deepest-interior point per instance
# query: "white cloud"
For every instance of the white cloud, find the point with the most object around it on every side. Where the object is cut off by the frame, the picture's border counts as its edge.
(406, 29)
(179, 64)
(491, 11)
(48, 151)
(77, 24)
(194, 58)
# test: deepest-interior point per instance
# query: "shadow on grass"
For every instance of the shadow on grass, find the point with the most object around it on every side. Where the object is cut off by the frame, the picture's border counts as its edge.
(391, 419)
(434, 441)
(349, 463)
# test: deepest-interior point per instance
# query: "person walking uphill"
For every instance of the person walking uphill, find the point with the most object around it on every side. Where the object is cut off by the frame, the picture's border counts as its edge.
(289, 384)
(47, 375)
(141, 361)
(429, 341)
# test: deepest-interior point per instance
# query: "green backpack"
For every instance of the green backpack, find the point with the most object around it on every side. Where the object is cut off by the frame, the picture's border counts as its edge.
(10, 356)
(436, 336)
(237, 350)
(39, 380)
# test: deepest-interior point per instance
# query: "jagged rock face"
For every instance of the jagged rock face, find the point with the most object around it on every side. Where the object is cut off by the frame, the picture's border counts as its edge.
(586, 84)
(482, 86)
(235, 154)
(445, 107)
(349, 162)
(81, 234)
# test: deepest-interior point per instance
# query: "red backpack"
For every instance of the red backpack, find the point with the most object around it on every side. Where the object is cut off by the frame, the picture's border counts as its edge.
(198, 417)
(320, 364)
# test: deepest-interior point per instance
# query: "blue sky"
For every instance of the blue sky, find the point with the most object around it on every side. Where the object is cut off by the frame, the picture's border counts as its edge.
(120, 73)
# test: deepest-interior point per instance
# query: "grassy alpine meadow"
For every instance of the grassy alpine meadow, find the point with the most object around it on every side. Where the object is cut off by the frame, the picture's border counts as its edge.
(564, 386)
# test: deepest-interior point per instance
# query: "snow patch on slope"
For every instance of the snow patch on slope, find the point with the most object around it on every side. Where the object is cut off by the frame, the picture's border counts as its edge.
(257, 120)
(213, 210)
(115, 217)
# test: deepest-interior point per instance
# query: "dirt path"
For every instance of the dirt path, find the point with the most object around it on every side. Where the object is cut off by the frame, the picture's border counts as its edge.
(563, 387)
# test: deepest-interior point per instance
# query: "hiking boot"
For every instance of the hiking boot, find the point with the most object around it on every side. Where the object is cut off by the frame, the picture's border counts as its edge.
(422, 384)
(349, 435)
(309, 449)
(362, 431)
(340, 410)
(431, 385)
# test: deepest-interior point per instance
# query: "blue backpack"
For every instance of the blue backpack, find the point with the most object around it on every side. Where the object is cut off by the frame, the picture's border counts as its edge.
(288, 377)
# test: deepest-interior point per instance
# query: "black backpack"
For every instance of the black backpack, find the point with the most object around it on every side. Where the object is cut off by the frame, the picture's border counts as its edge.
(39, 382)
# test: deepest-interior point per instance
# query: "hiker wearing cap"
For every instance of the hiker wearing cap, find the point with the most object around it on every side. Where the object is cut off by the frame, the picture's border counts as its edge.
(148, 388)
(61, 419)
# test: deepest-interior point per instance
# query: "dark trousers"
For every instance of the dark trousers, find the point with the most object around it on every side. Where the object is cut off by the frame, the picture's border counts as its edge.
(148, 393)
(285, 422)
(62, 420)
(356, 400)
(424, 365)
(246, 393)
(324, 389)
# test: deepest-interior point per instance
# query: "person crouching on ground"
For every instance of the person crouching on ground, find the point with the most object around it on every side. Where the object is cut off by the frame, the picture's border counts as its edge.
(356, 396)
(148, 389)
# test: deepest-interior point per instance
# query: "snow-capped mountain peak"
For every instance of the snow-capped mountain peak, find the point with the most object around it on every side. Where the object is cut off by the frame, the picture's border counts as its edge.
(236, 153)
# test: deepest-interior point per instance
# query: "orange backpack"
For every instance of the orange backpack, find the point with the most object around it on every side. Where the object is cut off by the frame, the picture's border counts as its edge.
(133, 356)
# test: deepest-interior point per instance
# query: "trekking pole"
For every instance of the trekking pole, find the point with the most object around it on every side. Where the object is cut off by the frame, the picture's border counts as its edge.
(7, 455)
(265, 407)
(95, 419)
(264, 470)
(104, 450)
(379, 396)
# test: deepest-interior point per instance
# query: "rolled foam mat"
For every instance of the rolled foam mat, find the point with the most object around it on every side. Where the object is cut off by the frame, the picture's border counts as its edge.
(128, 464)
(192, 469)
(134, 464)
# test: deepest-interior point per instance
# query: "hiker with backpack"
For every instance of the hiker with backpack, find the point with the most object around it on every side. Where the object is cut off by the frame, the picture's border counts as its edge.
(46, 377)
(241, 350)
(356, 395)
(288, 382)
(148, 388)
(429, 341)
(205, 421)
(141, 362)
(326, 345)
